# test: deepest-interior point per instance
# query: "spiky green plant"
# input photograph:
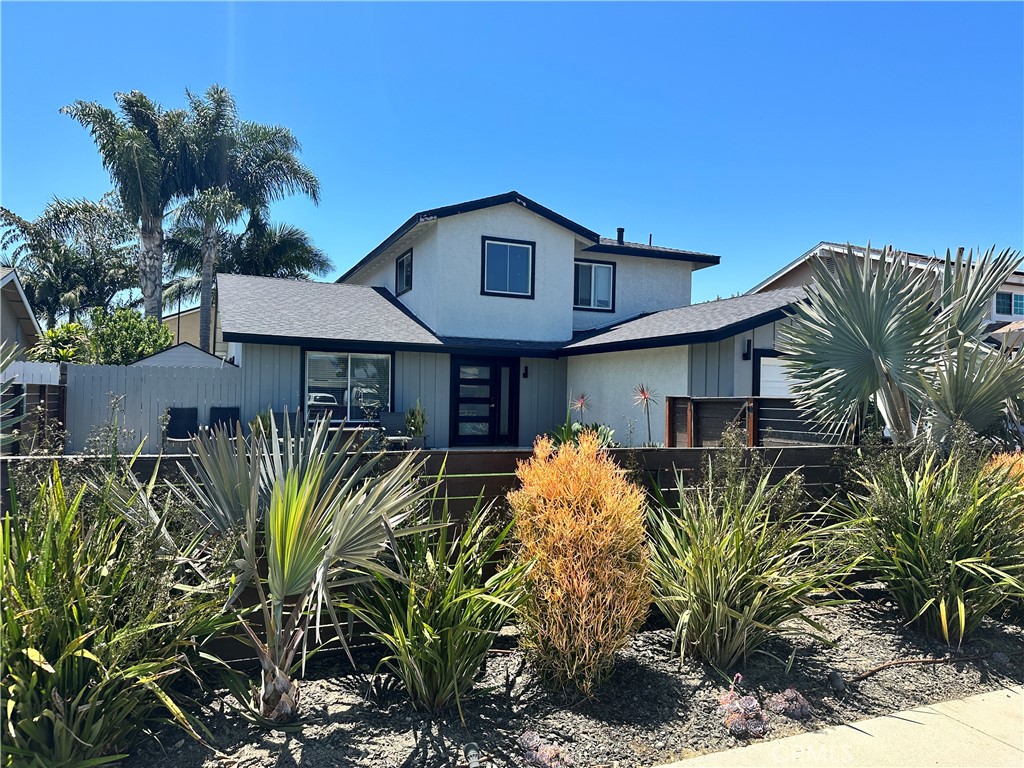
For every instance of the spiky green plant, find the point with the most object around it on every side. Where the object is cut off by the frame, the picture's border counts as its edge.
(439, 622)
(10, 403)
(907, 340)
(100, 615)
(946, 539)
(319, 512)
(735, 561)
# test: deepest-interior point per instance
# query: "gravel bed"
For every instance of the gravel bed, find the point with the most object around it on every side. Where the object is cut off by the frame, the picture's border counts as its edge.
(652, 711)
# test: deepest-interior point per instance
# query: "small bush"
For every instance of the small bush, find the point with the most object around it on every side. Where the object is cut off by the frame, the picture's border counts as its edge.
(580, 524)
(946, 537)
(736, 560)
(439, 621)
(97, 623)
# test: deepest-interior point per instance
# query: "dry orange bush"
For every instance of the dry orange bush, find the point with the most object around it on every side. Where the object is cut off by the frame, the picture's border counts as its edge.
(580, 522)
(1013, 463)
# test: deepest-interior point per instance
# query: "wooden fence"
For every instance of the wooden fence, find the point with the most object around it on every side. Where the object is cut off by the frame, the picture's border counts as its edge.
(139, 396)
(698, 422)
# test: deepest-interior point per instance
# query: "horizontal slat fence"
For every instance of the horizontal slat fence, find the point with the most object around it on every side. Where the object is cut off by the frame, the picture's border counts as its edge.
(698, 422)
(468, 475)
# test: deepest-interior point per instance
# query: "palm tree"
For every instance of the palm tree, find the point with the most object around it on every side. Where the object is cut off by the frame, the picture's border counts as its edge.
(909, 341)
(143, 148)
(234, 166)
(75, 256)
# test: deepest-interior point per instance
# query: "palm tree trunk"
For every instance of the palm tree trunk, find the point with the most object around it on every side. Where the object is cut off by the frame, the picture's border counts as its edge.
(151, 265)
(209, 254)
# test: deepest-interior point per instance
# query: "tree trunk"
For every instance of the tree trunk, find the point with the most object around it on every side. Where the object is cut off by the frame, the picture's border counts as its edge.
(279, 695)
(209, 254)
(151, 265)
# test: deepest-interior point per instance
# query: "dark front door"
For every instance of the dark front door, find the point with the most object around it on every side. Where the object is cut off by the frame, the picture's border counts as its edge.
(485, 400)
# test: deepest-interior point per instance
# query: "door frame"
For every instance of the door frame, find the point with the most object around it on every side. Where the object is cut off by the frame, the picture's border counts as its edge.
(495, 363)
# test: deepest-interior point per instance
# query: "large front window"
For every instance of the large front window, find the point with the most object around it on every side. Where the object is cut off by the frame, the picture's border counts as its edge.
(507, 268)
(350, 386)
(594, 286)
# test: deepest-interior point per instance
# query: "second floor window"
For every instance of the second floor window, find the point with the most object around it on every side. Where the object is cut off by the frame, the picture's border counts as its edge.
(403, 273)
(594, 286)
(1010, 303)
(507, 268)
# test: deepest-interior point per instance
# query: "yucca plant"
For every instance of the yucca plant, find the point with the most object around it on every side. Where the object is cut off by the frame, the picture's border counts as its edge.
(319, 512)
(907, 340)
(100, 615)
(440, 620)
(736, 560)
(945, 538)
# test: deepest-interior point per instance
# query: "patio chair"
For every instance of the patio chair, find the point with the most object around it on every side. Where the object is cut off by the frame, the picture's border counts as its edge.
(182, 426)
(393, 429)
(225, 418)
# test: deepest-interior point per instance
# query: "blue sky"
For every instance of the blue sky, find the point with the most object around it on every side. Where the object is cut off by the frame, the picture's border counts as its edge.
(751, 131)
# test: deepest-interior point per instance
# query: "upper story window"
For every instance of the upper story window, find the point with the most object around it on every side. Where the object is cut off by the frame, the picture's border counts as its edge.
(1010, 303)
(507, 268)
(594, 286)
(403, 273)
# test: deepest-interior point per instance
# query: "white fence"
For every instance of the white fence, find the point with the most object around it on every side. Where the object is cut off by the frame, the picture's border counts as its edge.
(143, 395)
(33, 373)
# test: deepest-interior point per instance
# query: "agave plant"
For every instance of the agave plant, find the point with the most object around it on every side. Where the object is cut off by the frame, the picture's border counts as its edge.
(908, 341)
(312, 511)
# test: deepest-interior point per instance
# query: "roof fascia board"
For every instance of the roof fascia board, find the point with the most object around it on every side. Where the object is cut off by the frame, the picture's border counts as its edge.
(628, 250)
(353, 345)
(12, 276)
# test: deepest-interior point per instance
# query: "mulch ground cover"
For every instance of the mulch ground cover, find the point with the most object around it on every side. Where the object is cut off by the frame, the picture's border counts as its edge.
(653, 710)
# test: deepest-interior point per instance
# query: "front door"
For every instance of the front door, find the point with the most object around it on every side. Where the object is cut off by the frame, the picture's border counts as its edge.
(485, 400)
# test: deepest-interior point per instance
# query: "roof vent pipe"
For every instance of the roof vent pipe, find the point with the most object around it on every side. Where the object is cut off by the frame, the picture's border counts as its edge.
(620, 234)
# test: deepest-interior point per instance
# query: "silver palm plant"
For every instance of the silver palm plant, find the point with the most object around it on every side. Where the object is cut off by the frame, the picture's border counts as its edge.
(908, 340)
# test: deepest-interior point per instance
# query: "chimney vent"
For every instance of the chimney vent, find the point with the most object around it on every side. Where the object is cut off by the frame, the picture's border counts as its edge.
(620, 234)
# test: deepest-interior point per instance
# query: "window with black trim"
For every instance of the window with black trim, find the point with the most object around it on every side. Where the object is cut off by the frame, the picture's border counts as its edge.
(350, 386)
(594, 286)
(507, 268)
(403, 273)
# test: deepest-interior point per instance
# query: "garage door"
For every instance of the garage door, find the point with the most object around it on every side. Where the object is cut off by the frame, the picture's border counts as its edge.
(775, 381)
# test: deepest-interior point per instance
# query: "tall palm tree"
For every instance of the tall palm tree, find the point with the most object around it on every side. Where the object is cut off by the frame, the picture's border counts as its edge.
(233, 165)
(143, 149)
(75, 256)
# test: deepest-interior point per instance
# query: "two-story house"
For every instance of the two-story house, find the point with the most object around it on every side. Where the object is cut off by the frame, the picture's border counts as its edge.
(491, 313)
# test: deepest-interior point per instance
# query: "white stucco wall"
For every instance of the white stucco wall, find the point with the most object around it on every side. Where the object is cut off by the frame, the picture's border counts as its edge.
(608, 380)
(427, 271)
(641, 285)
(463, 311)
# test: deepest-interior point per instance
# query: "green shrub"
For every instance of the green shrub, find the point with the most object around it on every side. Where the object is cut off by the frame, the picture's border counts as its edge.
(945, 536)
(440, 619)
(580, 525)
(570, 432)
(736, 560)
(97, 623)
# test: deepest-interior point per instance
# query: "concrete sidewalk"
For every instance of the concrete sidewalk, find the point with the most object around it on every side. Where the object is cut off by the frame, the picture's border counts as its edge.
(986, 730)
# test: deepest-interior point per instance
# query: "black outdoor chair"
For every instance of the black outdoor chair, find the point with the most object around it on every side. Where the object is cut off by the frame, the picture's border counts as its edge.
(182, 425)
(224, 418)
(394, 430)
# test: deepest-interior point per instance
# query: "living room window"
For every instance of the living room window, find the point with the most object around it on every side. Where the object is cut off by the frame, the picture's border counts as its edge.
(1004, 304)
(507, 268)
(594, 286)
(403, 273)
(354, 387)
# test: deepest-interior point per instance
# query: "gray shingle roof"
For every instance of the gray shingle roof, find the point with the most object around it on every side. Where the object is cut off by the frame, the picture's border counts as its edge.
(688, 325)
(306, 310)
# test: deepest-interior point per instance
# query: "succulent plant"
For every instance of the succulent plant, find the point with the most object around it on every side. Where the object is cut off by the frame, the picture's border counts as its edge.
(790, 703)
(543, 755)
(743, 716)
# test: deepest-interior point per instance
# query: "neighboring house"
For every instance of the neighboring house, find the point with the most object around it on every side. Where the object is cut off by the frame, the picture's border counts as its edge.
(185, 327)
(18, 325)
(492, 313)
(1007, 305)
(184, 355)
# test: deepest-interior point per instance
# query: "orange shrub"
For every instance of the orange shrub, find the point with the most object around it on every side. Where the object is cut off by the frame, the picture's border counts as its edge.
(1013, 463)
(581, 523)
